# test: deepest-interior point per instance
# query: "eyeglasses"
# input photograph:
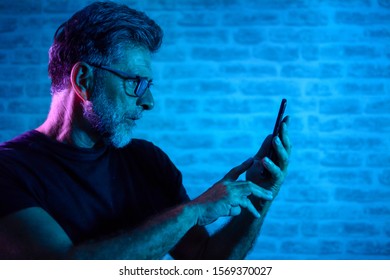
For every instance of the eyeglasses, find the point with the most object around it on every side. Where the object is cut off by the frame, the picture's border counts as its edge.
(139, 84)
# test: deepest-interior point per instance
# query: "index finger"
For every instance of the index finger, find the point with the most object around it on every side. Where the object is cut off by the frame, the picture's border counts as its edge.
(260, 192)
(246, 188)
(235, 172)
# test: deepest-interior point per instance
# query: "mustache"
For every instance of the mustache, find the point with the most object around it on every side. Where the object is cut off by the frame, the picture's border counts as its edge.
(136, 115)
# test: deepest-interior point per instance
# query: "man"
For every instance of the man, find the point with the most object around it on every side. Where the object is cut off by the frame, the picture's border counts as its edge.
(79, 186)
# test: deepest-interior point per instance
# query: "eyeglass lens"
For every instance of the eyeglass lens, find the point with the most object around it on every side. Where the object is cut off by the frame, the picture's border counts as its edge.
(141, 88)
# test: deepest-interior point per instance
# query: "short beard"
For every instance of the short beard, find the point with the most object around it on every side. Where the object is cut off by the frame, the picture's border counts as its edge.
(104, 117)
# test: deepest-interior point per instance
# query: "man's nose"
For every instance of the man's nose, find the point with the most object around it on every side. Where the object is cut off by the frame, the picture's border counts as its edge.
(146, 101)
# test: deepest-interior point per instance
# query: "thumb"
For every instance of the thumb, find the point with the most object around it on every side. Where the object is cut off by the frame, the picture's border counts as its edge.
(235, 172)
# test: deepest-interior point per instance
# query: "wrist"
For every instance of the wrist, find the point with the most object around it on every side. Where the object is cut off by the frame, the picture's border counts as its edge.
(194, 212)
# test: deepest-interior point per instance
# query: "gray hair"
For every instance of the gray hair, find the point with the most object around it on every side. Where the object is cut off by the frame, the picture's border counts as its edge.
(96, 34)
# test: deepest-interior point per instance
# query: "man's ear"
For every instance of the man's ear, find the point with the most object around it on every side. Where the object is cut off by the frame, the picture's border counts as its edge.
(81, 79)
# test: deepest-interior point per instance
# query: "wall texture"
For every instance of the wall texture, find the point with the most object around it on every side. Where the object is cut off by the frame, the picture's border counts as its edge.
(224, 67)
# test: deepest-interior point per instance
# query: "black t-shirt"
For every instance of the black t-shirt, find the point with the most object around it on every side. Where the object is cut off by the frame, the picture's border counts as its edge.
(89, 192)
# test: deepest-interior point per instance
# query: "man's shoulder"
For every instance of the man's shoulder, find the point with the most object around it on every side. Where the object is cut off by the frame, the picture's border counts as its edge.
(19, 150)
(21, 141)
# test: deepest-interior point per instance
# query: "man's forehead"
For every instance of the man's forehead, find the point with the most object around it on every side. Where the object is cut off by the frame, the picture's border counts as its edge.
(135, 55)
(137, 60)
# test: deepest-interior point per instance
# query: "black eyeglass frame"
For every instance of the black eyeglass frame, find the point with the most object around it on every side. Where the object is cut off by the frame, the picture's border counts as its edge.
(143, 83)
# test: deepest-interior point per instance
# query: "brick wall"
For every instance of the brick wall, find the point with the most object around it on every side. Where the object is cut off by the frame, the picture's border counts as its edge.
(224, 67)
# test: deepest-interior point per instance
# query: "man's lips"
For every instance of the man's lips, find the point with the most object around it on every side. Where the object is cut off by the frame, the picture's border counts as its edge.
(132, 119)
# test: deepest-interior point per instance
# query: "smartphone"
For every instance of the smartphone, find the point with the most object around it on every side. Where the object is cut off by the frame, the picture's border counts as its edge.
(278, 122)
(275, 132)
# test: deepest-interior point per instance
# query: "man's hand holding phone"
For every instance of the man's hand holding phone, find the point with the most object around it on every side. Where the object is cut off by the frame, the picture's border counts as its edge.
(270, 163)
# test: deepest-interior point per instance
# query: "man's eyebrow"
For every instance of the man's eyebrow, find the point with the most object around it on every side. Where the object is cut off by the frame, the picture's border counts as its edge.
(128, 74)
(132, 75)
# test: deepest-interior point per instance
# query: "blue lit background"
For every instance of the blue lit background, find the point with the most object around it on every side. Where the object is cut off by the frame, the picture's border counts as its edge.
(220, 75)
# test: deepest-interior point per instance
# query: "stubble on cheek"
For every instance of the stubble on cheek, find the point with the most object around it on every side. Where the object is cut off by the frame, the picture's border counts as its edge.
(110, 122)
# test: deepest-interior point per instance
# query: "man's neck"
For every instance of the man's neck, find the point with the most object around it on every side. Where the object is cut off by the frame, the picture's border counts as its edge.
(65, 122)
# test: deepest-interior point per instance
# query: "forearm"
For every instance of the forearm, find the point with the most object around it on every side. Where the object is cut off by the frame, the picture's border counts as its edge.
(236, 238)
(152, 240)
